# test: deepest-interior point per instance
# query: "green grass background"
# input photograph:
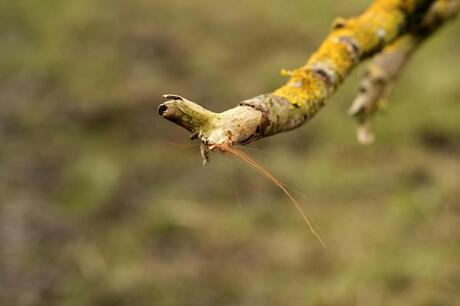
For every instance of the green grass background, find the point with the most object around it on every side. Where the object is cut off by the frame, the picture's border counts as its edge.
(98, 208)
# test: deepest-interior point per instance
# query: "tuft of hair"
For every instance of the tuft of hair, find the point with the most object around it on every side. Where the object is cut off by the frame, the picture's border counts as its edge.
(253, 163)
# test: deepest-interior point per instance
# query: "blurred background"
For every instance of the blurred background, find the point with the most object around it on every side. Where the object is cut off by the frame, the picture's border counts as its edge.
(100, 204)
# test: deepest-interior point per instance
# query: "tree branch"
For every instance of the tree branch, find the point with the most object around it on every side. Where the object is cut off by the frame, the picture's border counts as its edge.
(350, 41)
(378, 80)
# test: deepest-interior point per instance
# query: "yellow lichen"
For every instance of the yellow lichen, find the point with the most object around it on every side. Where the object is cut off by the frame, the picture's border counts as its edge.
(351, 38)
(303, 86)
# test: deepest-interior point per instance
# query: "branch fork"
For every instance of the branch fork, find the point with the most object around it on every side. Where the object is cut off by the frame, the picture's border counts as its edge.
(389, 29)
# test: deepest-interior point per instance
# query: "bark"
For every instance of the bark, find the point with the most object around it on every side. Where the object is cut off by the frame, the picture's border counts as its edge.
(379, 79)
(350, 42)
